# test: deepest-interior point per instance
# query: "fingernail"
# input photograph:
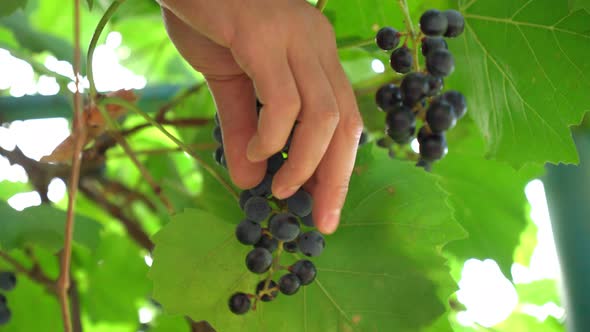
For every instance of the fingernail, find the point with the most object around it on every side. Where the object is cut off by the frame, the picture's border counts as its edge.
(286, 192)
(330, 222)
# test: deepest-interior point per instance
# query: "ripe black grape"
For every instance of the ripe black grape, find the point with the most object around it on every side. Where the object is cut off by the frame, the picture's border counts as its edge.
(291, 246)
(244, 197)
(257, 209)
(311, 243)
(305, 270)
(440, 63)
(308, 220)
(457, 100)
(388, 96)
(430, 44)
(248, 232)
(5, 315)
(272, 285)
(239, 303)
(387, 38)
(433, 147)
(284, 227)
(440, 116)
(267, 242)
(456, 23)
(258, 260)
(400, 124)
(263, 189)
(7, 280)
(401, 60)
(414, 88)
(219, 156)
(435, 85)
(217, 135)
(300, 203)
(289, 284)
(433, 23)
(274, 163)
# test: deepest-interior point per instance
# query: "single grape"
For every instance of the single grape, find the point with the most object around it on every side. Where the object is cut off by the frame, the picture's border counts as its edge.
(300, 203)
(217, 135)
(424, 164)
(308, 220)
(433, 147)
(422, 134)
(435, 85)
(248, 232)
(269, 296)
(7, 280)
(263, 189)
(258, 260)
(440, 63)
(456, 23)
(311, 243)
(401, 60)
(414, 88)
(388, 96)
(433, 23)
(305, 270)
(291, 246)
(244, 197)
(219, 156)
(440, 116)
(216, 119)
(289, 284)
(400, 124)
(387, 38)
(430, 44)
(274, 163)
(5, 315)
(267, 242)
(284, 227)
(457, 100)
(239, 303)
(257, 209)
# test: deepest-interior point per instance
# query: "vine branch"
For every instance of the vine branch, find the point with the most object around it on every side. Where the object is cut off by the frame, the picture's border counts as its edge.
(414, 36)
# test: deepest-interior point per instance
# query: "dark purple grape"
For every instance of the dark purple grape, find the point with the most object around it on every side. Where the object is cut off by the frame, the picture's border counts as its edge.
(440, 63)
(244, 197)
(263, 189)
(274, 163)
(219, 156)
(433, 23)
(7, 280)
(401, 60)
(422, 134)
(257, 209)
(440, 116)
(387, 38)
(216, 119)
(284, 227)
(273, 293)
(289, 284)
(435, 85)
(457, 100)
(305, 270)
(308, 220)
(400, 124)
(267, 242)
(311, 243)
(430, 44)
(239, 303)
(258, 260)
(248, 232)
(291, 246)
(217, 135)
(456, 23)
(433, 147)
(388, 96)
(414, 88)
(300, 203)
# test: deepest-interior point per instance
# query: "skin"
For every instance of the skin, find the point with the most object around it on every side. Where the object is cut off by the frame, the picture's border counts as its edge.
(284, 52)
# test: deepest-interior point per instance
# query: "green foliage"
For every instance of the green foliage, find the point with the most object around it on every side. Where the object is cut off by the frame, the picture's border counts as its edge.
(8, 7)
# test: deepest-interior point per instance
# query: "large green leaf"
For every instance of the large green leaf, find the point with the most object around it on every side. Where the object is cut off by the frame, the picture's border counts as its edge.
(8, 7)
(382, 264)
(43, 225)
(522, 65)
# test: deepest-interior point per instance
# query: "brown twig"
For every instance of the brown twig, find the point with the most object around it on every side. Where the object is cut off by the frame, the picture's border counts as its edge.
(131, 226)
(177, 100)
(75, 306)
(196, 146)
(188, 122)
(35, 273)
(79, 132)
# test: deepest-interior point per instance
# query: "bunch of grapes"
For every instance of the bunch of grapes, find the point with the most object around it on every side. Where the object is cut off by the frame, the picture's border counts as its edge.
(272, 227)
(420, 95)
(7, 283)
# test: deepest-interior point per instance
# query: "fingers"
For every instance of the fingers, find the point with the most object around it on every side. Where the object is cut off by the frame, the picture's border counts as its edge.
(317, 122)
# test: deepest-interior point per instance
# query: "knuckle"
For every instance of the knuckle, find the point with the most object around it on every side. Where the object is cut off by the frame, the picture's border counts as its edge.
(328, 115)
(352, 124)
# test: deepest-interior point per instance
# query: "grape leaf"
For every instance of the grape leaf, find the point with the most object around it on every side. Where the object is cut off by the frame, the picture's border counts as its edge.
(111, 296)
(8, 7)
(538, 292)
(382, 264)
(523, 66)
(579, 4)
(43, 225)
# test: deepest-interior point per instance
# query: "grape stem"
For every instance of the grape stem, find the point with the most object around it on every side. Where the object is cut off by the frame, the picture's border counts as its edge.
(403, 4)
(94, 41)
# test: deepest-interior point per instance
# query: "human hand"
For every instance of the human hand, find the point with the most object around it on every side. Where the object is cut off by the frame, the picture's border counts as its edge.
(284, 52)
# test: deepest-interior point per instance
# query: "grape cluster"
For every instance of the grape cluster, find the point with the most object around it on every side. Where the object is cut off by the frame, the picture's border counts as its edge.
(7, 283)
(420, 95)
(273, 227)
